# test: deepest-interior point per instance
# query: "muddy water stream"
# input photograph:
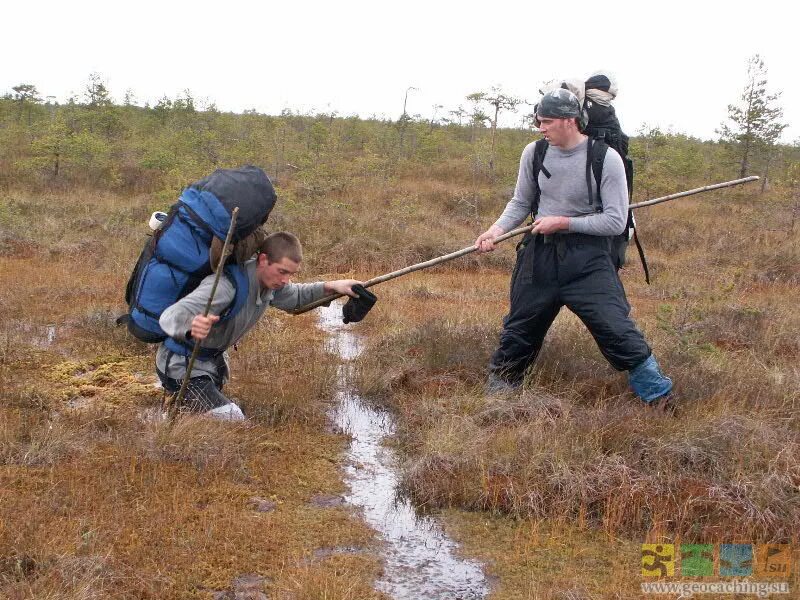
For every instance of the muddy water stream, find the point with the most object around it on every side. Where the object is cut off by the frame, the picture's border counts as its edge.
(420, 561)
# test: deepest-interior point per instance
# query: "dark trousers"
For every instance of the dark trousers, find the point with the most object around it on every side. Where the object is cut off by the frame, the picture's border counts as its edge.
(576, 271)
(202, 393)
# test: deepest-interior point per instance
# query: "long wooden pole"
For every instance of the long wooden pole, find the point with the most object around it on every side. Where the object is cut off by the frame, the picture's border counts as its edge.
(513, 233)
(176, 402)
(707, 188)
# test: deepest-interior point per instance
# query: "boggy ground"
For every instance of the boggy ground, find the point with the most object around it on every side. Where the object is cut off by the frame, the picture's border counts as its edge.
(555, 489)
(99, 501)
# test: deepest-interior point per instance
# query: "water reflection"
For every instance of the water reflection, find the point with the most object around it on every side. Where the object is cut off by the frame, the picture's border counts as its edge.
(420, 560)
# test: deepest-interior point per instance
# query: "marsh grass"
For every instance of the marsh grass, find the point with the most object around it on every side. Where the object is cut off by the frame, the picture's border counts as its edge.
(532, 559)
(311, 579)
(29, 439)
(117, 507)
(99, 501)
(576, 446)
(610, 467)
(284, 375)
(96, 502)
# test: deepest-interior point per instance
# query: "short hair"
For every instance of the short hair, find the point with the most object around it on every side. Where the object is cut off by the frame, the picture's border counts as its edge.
(280, 245)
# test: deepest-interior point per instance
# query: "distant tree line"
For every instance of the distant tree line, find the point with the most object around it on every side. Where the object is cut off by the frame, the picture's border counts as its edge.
(91, 141)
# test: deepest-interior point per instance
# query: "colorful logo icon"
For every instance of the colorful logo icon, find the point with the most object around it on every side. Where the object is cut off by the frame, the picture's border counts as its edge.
(697, 560)
(658, 560)
(735, 560)
(774, 560)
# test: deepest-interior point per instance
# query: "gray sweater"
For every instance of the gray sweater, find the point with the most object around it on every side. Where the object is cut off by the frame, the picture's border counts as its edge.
(565, 193)
(176, 320)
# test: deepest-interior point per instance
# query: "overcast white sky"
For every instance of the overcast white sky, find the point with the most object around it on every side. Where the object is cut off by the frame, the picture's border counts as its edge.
(678, 64)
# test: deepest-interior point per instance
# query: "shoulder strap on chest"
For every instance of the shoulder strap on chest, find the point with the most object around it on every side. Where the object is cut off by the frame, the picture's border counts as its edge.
(241, 283)
(595, 157)
(539, 151)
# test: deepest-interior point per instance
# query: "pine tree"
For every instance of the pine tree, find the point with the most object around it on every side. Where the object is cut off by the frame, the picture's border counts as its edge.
(96, 91)
(756, 119)
(26, 95)
(499, 101)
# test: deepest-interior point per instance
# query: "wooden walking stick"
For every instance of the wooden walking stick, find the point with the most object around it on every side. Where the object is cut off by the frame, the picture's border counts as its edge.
(707, 188)
(176, 402)
(513, 233)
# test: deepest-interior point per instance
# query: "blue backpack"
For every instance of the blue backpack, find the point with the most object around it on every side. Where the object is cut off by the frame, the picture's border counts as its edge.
(176, 258)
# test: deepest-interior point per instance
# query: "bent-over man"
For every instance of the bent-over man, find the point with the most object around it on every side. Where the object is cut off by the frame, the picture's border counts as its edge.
(269, 276)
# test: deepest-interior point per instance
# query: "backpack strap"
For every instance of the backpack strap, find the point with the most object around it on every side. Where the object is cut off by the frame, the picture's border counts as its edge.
(537, 166)
(639, 249)
(241, 283)
(195, 217)
(598, 157)
(595, 158)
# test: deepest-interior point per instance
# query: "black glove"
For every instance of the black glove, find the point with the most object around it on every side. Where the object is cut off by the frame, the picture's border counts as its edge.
(357, 308)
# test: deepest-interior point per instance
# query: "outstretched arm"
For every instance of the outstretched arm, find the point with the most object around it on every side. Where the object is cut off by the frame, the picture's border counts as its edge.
(342, 286)
(518, 208)
(294, 295)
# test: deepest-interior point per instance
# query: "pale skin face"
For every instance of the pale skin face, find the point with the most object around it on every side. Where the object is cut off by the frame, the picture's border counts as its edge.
(275, 275)
(561, 133)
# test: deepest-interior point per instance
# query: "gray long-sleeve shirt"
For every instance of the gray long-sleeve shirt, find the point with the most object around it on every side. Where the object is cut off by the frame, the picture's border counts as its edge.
(565, 193)
(176, 320)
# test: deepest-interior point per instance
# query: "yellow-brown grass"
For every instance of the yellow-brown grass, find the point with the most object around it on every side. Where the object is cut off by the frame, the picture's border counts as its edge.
(96, 502)
(576, 447)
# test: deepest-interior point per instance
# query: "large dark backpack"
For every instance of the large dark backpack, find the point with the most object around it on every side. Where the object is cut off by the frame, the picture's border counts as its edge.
(604, 132)
(176, 258)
